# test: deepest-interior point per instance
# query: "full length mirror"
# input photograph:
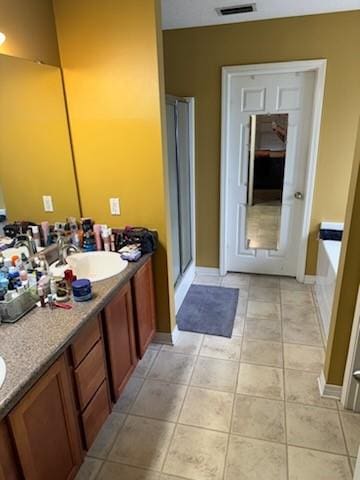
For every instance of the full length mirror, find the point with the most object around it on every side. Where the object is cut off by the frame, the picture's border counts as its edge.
(267, 155)
(35, 150)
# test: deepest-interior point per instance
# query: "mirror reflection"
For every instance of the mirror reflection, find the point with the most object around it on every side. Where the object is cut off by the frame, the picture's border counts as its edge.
(35, 150)
(267, 155)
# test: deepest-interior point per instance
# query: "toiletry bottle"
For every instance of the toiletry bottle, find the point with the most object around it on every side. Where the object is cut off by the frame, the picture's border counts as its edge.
(30, 235)
(41, 295)
(80, 234)
(112, 243)
(97, 233)
(36, 236)
(45, 233)
(53, 286)
(51, 301)
(14, 260)
(89, 244)
(106, 239)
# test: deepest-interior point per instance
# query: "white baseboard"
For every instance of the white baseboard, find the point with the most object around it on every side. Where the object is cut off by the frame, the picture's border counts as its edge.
(327, 390)
(183, 287)
(309, 279)
(207, 271)
(166, 338)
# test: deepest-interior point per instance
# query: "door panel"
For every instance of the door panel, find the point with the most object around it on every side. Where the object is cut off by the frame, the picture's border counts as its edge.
(144, 303)
(45, 428)
(179, 171)
(173, 188)
(184, 184)
(120, 339)
(289, 93)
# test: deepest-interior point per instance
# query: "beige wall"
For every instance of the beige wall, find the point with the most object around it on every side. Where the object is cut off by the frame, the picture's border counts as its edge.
(109, 54)
(193, 61)
(348, 282)
(29, 27)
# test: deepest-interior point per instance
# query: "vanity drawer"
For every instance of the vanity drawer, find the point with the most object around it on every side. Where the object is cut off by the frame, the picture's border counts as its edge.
(95, 414)
(90, 374)
(85, 340)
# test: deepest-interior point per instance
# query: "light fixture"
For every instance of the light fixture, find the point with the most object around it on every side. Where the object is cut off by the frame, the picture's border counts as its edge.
(2, 38)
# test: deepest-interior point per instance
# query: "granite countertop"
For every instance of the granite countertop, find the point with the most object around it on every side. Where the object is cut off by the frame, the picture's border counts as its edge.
(31, 345)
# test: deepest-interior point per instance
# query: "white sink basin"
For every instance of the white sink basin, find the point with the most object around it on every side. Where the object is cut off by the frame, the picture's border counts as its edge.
(2, 371)
(10, 252)
(94, 266)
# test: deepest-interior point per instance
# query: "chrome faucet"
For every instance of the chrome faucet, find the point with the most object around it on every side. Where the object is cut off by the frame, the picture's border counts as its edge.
(64, 250)
(24, 240)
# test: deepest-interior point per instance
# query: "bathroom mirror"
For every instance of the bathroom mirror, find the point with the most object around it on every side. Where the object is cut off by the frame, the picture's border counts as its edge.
(267, 155)
(35, 150)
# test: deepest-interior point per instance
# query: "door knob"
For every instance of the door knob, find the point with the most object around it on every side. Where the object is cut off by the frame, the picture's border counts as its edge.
(356, 375)
(298, 195)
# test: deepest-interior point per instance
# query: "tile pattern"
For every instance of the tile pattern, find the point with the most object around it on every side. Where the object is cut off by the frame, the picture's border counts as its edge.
(245, 408)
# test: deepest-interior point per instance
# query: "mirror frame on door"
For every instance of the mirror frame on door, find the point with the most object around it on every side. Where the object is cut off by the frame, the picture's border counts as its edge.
(319, 68)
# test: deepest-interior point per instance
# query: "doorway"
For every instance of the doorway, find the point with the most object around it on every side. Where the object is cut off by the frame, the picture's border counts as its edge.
(270, 131)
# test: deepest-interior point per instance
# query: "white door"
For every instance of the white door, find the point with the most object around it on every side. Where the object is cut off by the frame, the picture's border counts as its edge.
(263, 94)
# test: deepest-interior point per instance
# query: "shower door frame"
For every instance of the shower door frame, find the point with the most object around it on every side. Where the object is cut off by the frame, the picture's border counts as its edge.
(186, 279)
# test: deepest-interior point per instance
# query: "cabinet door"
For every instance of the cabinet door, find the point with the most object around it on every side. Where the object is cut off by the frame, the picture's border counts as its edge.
(8, 462)
(144, 298)
(120, 339)
(45, 428)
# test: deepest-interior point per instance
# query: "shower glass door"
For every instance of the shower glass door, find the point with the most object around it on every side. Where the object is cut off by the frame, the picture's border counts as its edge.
(178, 135)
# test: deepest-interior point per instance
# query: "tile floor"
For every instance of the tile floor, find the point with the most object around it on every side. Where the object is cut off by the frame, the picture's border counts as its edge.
(245, 408)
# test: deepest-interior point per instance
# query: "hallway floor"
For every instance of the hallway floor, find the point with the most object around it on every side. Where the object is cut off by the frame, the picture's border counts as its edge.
(245, 408)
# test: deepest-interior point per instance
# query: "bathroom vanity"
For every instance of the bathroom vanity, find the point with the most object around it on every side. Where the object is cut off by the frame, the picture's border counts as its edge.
(65, 369)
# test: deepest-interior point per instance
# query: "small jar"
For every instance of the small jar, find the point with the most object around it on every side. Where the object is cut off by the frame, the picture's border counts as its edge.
(81, 290)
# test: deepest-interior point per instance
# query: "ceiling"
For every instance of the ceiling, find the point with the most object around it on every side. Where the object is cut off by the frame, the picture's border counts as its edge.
(192, 13)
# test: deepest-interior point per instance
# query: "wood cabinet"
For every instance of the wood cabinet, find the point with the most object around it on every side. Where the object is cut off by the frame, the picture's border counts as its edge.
(85, 340)
(44, 435)
(144, 303)
(95, 414)
(120, 339)
(45, 427)
(90, 379)
(8, 461)
(90, 374)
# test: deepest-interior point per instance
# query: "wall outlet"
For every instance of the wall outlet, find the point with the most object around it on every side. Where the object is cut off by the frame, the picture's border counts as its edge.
(48, 203)
(115, 206)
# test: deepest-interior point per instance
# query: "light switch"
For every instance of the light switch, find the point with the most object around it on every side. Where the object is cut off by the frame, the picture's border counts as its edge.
(115, 206)
(48, 203)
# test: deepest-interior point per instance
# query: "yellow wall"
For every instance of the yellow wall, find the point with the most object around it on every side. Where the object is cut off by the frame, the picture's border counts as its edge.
(35, 154)
(29, 27)
(347, 283)
(2, 201)
(193, 61)
(109, 54)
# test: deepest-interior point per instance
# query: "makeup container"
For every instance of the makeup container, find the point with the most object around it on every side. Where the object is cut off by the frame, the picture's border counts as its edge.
(81, 290)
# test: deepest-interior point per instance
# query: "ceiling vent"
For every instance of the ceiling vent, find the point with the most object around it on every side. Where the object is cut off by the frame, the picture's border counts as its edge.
(237, 9)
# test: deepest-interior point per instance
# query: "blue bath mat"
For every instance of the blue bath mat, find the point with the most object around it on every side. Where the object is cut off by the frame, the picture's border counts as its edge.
(209, 310)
